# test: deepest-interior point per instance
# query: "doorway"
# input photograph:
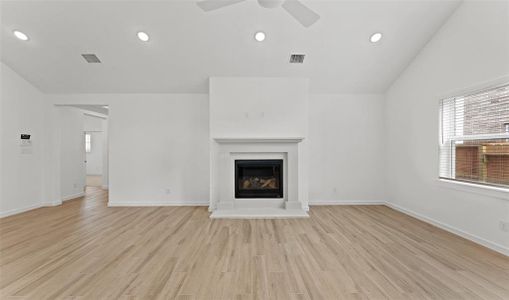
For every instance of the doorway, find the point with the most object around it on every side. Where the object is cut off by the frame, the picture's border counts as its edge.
(94, 150)
(83, 150)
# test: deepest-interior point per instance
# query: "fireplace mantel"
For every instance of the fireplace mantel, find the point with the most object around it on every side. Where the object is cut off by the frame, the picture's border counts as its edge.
(226, 150)
(258, 139)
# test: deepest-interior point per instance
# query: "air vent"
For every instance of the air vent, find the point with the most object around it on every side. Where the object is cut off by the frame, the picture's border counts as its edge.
(91, 58)
(297, 58)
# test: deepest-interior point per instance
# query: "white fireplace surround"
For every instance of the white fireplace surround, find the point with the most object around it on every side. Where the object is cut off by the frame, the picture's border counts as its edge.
(258, 118)
(225, 151)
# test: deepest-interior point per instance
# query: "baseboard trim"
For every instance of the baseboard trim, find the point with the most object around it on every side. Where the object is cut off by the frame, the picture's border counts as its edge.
(345, 202)
(142, 204)
(50, 204)
(18, 210)
(70, 197)
(471, 237)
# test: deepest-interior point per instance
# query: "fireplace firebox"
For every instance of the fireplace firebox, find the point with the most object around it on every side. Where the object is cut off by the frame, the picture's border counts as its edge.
(259, 178)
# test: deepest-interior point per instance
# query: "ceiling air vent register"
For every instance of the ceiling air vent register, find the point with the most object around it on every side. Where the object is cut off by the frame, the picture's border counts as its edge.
(297, 58)
(91, 58)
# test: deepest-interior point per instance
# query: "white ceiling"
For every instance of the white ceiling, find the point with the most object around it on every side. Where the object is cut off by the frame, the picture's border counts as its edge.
(188, 45)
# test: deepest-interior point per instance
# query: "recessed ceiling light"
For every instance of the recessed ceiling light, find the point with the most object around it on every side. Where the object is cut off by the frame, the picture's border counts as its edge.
(375, 37)
(20, 35)
(143, 36)
(260, 36)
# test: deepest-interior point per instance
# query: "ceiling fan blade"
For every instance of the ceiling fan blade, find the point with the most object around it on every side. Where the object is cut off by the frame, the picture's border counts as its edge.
(300, 12)
(209, 5)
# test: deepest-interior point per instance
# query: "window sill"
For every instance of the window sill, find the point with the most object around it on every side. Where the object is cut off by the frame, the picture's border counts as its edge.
(490, 191)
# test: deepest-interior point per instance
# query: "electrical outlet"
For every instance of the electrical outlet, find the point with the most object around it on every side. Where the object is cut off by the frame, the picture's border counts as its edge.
(167, 191)
(504, 226)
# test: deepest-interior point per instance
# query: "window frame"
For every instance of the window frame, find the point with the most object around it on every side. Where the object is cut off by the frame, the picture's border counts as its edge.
(474, 188)
(497, 191)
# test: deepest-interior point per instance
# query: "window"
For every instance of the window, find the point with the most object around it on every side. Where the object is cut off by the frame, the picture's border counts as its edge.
(88, 142)
(474, 137)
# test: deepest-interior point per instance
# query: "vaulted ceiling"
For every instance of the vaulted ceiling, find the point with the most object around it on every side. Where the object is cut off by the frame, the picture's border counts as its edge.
(187, 45)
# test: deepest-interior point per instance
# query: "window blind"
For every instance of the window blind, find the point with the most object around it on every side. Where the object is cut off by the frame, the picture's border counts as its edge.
(474, 137)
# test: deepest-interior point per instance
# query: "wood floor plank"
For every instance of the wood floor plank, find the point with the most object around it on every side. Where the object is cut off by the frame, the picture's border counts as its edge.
(86, 250)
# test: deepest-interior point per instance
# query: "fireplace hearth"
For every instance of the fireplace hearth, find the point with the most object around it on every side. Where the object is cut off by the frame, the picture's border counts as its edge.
(259, 178)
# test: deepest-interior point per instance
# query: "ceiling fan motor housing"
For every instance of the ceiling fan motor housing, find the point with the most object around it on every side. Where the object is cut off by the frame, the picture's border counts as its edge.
(270, 3)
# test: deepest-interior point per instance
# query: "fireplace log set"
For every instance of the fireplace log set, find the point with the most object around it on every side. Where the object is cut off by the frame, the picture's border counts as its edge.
(259, 183)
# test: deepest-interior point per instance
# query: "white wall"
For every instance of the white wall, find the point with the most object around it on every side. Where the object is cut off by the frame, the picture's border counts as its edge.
(472, 48)
(72, 152)
(258, 107)
(141, 174)
(159, 149)
(1, 134)
(158, 146)
(171, 131)
(23, 110)
(92, 123)
(346, 153)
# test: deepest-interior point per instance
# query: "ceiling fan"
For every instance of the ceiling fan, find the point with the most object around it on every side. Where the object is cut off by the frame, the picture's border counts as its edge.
(299, 11)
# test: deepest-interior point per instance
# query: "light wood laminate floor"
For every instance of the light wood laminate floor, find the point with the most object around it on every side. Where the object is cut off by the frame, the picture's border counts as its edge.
(84, 250)
(94, 180)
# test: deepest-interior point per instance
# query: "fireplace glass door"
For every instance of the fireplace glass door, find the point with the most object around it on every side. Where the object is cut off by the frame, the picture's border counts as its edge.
(259, 178)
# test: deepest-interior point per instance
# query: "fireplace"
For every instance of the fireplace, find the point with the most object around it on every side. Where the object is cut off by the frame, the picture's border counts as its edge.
(259, 178)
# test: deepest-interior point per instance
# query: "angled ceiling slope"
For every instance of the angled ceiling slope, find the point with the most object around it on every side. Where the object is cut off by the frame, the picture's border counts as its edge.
(188, 45)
